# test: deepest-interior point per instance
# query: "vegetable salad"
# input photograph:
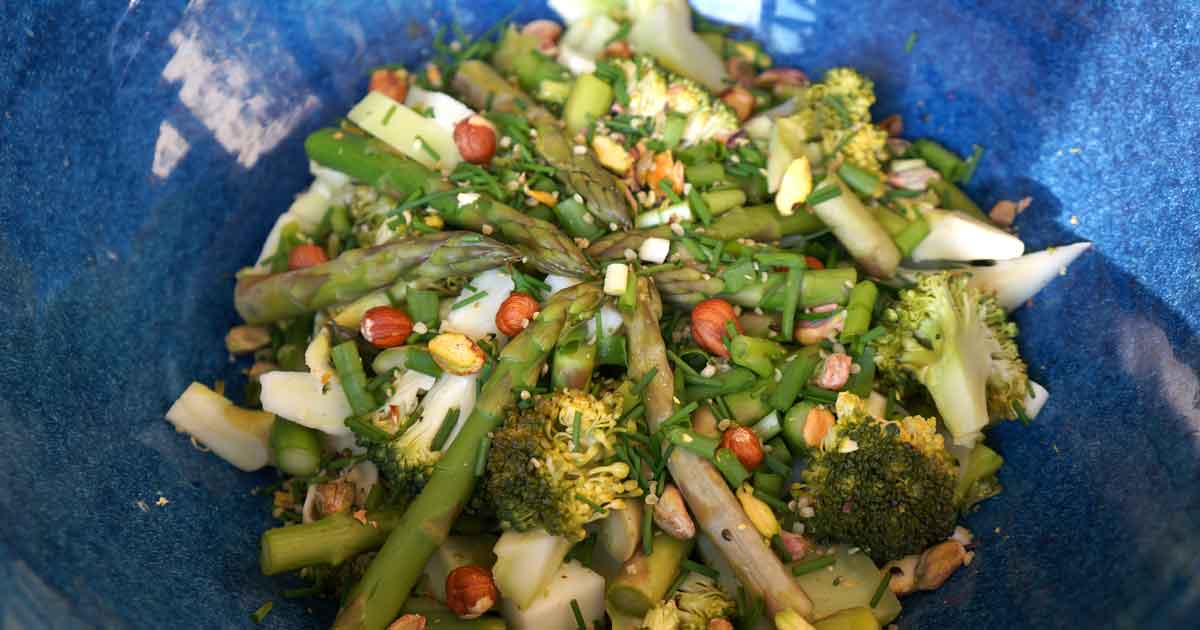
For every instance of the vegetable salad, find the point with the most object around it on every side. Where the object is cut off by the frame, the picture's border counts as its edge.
(616, 323)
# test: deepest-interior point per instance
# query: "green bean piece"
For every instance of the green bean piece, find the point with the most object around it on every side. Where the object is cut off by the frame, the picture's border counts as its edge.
(859, 308)
(731, 468)
(354, 380)
(295, 449)
(796, 373)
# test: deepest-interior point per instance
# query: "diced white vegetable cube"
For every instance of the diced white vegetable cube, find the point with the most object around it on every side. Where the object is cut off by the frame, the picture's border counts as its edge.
(478, 319)
(526, 562)
(610, 321)
(616, 277)
(677, 212)
(654, 250)
(447, 110)
(239, 436)
(558, 283)
(1035, 402)
(552, 609)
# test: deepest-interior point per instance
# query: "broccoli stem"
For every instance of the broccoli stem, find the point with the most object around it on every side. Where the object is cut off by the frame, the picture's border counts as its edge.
(574, 360)
(354, 380)
(795, 375)
(859, 308)
(385, 586)
(295, 449)
(643, 580)
(329, 541)
(705, 174)
(858, 231)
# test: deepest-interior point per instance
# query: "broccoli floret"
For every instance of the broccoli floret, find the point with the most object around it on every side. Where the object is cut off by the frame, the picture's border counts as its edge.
(863, 145)
(654, 92)
(696, 602)
(406, 457)
(538, 477)
(977, 477)
(885, 486)
(844, 97)
(958, 343)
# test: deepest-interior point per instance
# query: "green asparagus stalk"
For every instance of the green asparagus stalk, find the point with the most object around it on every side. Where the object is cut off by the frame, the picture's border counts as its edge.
(329, 541)
(643, 580)
(576, 221)
(295, 449)
(574, 360)
(606, 195)
(717, 511)
(385, 586)
(262, 298)
(858, 230)
(690, 284)
(762, 223)
(859, 308)
(372, 162)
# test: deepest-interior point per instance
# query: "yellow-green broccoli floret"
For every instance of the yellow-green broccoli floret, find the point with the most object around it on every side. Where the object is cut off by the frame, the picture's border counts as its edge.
(885, 486)
(958, 343)
(696, 602)
(844, 97)
(836, 113)
(539, 477)
(654, 92)
(863, 145)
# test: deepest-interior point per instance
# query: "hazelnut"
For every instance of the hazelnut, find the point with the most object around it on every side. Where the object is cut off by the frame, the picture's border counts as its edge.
(390, 82)
(386, 326)
(470, 591)
(456, 353)
(708, 325)
(306, 255)
(247, 338)
(720, 623)
(546, 32)
(408, 622)
(893, 125)
(619, 48)
(745, 446)
(740, 100)
(515, 313)
(904, 574)
(475, 138)
(938, 563)
(334, 497)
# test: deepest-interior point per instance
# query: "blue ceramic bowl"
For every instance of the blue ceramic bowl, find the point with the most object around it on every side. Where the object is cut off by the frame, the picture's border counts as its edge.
(145, 150)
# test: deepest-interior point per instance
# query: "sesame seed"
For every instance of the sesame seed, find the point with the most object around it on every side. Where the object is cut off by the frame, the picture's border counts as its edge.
(525, 394)
(579, 149)
(420, 328)
(723, 425)
(612, 227)
(630, 254)
(505, 142)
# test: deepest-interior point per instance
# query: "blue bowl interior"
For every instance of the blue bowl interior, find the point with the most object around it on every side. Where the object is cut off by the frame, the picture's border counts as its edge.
(145, 152)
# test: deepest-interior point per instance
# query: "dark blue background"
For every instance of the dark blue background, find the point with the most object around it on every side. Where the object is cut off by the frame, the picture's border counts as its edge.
(146, 148)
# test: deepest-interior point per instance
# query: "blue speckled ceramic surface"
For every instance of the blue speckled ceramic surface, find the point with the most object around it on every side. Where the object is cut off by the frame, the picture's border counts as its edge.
(146, 149)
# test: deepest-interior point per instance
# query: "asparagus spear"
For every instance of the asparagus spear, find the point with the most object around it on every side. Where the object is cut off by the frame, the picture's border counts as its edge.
(762, 223)
(373, 162)
(689, 284)
(385, 586)
(331, 540)
(262, 298)
(606, 195)
(714, 506)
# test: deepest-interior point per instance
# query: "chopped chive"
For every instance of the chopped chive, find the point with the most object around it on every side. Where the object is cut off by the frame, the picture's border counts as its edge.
(388, 116)
(578, 615)
(485, 443)
(637, 437)
(648, 531)
(968, 169)
(1019, 409)
(816, 564)
(669, 191)
(470, 299)
(260, 614)
(675, 584)
(590, 503)
(820, 395)
(575, 429)
(781, 549)
(770, 500)
(823, 194)
(699, 206)
(633, 414)
(449, 421)
(879, 590)
(662, 463)
(681, 413)
(910, 42)
(696, 567)
(838, 106)
(429, 150)
(777, 466)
